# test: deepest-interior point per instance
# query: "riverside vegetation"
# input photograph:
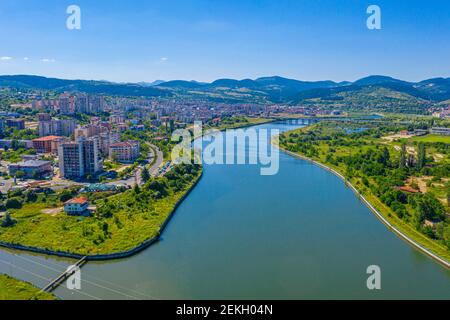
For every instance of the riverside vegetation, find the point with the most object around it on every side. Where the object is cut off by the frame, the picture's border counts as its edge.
(13, 289)
(121, 222)
(405, 177)
(123, 219)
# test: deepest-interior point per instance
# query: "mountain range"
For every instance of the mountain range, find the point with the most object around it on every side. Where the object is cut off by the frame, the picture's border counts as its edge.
(368, 91)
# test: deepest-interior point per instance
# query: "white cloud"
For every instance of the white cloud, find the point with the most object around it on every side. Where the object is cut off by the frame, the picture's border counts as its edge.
(26, 58)
(46, 60)
(5, 58)
(163, 59)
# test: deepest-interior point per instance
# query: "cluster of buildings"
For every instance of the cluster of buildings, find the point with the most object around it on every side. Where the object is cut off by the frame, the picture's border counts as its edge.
(182, 110)
(442, 113)
(59, 127)
(68, 104)
(13, 123)
(80, 150)
(157, 109)
(83, 156)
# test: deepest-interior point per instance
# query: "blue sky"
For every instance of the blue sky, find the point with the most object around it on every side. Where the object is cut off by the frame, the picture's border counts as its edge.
(144, 40)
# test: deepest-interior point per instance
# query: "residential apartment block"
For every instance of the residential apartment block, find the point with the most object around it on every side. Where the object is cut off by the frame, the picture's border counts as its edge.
(125, 152)
(57, 127)
(80, 158)
(48, 144)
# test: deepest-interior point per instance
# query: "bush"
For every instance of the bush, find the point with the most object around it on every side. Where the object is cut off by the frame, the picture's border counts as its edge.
(7, 221)
(31, 196)
(66, 195)
(13, 203)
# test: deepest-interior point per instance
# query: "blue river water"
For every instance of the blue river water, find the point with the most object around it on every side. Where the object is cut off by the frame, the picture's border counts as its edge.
(299, 234)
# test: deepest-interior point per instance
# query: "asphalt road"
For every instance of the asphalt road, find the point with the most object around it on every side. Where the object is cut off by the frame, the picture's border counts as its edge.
(137, 175)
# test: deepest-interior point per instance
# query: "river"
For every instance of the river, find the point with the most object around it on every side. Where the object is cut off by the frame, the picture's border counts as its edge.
(299, 234)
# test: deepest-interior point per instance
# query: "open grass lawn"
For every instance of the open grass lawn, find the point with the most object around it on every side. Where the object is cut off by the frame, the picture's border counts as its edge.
(432, 138)
(13, 289)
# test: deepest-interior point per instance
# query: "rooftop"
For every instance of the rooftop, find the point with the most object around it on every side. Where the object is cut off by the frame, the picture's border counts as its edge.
(80, 200)
(124, 144)
(47, 138)
(31, 163)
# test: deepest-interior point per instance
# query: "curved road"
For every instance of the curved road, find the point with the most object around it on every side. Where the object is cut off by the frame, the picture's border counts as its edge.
(137, 175)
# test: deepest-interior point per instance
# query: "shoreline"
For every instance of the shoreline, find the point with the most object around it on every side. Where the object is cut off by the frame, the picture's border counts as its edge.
(378, 214)
(135, 250)
(107, 256)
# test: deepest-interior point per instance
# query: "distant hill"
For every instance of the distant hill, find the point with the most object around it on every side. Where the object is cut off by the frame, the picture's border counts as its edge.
(275, 89)
(181, 84)
(375, 79)
(150, 84)
(375, 91)
(88, 86)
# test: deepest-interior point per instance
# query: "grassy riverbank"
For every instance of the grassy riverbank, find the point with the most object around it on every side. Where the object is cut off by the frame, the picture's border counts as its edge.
(373, 163)
(13, 289)
(122, 221)
(237, 122)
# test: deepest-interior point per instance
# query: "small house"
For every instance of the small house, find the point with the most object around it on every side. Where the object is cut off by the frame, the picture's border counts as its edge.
(77, 207)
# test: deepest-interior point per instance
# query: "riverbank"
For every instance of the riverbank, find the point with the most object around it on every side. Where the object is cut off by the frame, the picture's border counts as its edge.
(251, 122)
(377, 213)
(76, 247)
(13, 289)
(133, 224)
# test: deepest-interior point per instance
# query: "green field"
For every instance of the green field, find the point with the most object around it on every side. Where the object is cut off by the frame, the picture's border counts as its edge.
(13, 289)
(431, 138)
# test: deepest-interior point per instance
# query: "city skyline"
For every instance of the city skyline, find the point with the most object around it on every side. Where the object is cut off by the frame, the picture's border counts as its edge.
(204, 41)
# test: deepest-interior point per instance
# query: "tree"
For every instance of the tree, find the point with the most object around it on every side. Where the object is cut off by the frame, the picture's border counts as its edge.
(35, 175)
(384, 157)
(15, 145)
(145, 175)
(66, 195)
(31, 196)
(13, 203)
(448, 196)
(402, 161)
(114, 157)
(428, 207)
(421, 156)
(105, 228)
(20, 174)
(7, 221)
